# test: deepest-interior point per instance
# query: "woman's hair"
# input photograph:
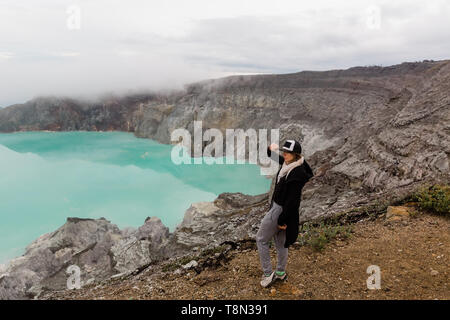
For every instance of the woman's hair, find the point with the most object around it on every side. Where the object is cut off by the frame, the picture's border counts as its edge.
(297, 156)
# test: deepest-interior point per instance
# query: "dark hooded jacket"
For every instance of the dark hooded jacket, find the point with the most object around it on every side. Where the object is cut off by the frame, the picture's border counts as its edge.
(287, 193)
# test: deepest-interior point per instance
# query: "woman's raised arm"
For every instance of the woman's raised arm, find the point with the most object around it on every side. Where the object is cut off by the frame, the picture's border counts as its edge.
(274, 155)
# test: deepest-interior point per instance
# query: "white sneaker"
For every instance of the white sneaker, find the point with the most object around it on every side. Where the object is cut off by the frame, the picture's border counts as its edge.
(267, 280)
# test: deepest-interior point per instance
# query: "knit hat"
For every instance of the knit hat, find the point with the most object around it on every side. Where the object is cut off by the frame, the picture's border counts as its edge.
(292, 146)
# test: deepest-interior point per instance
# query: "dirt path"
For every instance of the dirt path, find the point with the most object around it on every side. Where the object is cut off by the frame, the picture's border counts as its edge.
(413, 255)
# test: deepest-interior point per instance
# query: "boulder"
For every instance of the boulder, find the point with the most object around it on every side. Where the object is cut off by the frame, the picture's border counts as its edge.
(397, 212)
(96, 246)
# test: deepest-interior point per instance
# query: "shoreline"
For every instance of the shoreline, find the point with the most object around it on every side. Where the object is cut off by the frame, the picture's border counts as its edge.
(108, 251)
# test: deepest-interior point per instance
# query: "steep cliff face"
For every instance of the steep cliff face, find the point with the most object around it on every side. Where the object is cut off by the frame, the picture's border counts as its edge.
(366, 131)
(65, 114)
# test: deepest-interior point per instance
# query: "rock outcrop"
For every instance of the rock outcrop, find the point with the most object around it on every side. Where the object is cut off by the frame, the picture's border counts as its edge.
(97, 247)
(101, 250)
(231, 217)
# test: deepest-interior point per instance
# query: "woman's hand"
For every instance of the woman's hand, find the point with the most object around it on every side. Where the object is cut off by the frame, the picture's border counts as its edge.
(283, 227)
(273, 147)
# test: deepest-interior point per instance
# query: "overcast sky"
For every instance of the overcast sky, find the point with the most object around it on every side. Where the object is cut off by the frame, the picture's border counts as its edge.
(89, 47)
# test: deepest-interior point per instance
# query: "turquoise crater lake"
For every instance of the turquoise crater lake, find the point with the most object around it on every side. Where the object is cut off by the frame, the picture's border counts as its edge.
(46, 177)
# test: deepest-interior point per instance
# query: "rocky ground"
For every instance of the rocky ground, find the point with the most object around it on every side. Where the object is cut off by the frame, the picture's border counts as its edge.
(413, 254)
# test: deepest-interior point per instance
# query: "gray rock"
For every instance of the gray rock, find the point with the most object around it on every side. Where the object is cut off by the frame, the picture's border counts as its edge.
(139, 248)
(97, 247)
(190, 265)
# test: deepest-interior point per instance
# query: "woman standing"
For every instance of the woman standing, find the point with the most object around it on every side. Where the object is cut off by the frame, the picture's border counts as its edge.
(281, 222)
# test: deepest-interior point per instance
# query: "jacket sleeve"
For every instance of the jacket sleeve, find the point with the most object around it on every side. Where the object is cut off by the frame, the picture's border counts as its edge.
(275, 156)
(291, 201)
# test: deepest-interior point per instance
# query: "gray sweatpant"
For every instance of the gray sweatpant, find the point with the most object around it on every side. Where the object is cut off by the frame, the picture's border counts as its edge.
(268, 230)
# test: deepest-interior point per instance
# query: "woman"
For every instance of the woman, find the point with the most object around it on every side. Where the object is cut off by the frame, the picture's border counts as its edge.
(281, 222)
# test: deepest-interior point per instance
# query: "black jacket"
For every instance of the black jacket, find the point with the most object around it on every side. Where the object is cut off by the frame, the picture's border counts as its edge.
(287, 193)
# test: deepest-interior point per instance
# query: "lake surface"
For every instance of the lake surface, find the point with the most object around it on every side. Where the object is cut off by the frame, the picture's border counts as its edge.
(46, 177)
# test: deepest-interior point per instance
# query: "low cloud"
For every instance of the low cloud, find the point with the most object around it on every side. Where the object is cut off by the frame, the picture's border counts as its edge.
(150, 45)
